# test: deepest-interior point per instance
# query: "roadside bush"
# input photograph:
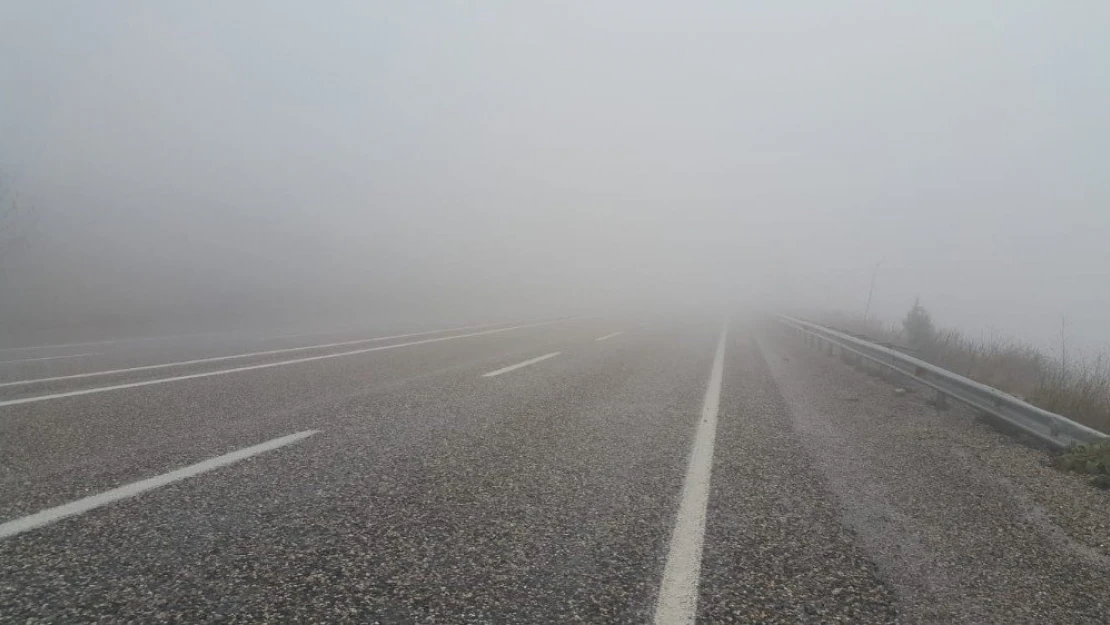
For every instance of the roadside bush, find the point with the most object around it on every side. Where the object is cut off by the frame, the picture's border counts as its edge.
(918, 324)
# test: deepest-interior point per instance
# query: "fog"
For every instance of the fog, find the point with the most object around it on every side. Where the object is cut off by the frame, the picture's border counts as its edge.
(271, 164)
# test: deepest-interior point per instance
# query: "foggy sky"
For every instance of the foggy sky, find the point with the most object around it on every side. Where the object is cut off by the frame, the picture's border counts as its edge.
(530, 156)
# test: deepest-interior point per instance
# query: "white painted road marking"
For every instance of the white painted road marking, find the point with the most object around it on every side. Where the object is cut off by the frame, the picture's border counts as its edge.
(609, 336)
(520, 364)
(267, 365)
(33, 521)
(112, 341)
(182, 363)
(678, 594)
(6, 362)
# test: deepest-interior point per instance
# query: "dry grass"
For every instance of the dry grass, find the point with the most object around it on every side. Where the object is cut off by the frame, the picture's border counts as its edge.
(870, 328)
(1081, 391)
(1093, 459)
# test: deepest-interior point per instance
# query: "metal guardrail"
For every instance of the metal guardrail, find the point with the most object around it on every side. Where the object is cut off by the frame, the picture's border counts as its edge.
(1048, 427)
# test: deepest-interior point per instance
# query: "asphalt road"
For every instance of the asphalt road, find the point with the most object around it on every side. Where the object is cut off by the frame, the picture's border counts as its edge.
(579, 470)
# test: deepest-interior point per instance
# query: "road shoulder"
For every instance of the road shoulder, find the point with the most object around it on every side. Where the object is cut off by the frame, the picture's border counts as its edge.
(964, 523)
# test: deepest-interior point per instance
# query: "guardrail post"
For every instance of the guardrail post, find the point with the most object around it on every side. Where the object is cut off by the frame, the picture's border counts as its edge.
(885, 374)
(940, 401)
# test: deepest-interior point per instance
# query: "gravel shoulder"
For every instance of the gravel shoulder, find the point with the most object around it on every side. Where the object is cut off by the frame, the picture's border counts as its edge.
(965, 524)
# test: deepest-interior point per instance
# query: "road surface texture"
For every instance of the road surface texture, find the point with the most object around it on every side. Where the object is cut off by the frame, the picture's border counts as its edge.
(591, 470)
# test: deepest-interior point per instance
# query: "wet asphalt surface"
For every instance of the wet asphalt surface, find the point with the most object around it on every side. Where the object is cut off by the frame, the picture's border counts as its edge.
(435, 495)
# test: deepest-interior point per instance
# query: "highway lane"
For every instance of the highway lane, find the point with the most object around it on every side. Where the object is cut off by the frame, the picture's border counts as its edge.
(413, 486)
(37, 390)
(58, 448)
(63, 359)
(498, 463)
(12, 353)
(17, 370)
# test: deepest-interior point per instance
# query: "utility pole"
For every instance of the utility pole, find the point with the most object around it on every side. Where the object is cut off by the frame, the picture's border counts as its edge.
(1063, 346)
(871, 291)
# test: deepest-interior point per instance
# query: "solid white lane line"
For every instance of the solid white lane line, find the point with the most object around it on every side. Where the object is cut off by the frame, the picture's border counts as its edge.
(6, 362)
(520, 364)
(267, 365)
(33, 521)
(113, 341)
(678, 594)
(270, 352)
(609, 336)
